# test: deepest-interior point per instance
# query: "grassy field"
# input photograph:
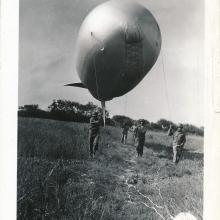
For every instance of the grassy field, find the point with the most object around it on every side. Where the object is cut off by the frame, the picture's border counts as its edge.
(56, 180)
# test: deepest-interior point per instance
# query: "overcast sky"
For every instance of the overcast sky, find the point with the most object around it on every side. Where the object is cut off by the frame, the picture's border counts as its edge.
(48, 32)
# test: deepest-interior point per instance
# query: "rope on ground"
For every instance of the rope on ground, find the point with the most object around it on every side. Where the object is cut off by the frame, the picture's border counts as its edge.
(153, 205)
(144, 203)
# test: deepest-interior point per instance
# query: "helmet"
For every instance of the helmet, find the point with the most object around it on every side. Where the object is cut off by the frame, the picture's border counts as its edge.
(180, 126)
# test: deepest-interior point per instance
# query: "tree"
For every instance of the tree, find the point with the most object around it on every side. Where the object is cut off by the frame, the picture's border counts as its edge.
(31, 108)
(189, 128)
(164, 124)
(155, 126)
(146, 122)
(32, 111)
(121, 120)
(74, 111)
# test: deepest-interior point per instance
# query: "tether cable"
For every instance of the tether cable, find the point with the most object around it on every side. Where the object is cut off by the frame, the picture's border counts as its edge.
(94, 62)
(166, 87)
(96, 78)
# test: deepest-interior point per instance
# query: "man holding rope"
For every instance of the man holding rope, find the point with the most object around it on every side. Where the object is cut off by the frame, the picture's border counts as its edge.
(94, 133)
(125, 129)
(179, 140)
(140, 138)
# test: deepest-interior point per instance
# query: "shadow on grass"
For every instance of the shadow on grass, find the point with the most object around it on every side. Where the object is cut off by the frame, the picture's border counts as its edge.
(167, 152)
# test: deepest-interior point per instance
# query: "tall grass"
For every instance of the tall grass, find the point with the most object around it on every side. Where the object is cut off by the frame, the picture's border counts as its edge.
(56, 180)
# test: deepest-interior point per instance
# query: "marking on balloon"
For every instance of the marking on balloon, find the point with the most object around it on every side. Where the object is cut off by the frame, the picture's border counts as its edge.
(99, 41)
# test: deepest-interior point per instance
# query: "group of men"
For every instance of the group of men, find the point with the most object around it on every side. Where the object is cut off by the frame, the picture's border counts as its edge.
(139, 132)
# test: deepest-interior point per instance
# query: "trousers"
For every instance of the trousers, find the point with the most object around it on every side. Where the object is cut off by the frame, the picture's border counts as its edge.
(93, 143)
(177, 152)
(124, 138)
(140, 146)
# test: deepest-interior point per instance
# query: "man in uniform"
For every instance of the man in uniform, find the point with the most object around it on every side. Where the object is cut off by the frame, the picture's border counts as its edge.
(179, 140)
(140, 138)
(125, 129)
(134, 132)
(94, 133)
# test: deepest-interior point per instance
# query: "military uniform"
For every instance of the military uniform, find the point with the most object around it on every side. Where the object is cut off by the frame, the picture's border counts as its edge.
(94, 134)
(179, 140)
(140, 139)
(134, 130)
(124, 134)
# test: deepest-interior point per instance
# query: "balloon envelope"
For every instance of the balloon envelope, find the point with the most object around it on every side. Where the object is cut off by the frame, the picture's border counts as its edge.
(118, 43)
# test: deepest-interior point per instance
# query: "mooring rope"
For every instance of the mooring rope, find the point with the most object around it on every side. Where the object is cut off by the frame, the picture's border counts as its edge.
(96, 78)
(166, 87)
(94, 63)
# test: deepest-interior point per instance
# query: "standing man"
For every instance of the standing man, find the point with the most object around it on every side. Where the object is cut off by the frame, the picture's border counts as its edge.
(94, 133)
(140, 138)
(134, 132)
(179, 139)
(125, 129)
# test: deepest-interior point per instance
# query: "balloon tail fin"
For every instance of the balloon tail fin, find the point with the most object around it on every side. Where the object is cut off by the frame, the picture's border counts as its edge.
(76, 85)
(103, 112)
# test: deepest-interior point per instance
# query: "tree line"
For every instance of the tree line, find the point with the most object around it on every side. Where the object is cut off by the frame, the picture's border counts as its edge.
(66, 110)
